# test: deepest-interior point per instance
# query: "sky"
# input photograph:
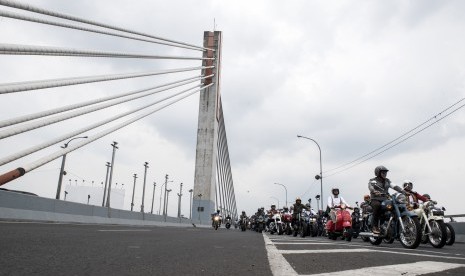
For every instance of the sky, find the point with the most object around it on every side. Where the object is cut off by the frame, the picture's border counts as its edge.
(352, 75)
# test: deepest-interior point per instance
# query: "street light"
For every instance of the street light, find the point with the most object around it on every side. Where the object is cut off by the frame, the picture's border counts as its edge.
(320, 176)
(190, 198)
(108, 165)
(62, 170)
(133, 190)
(317, 201)
(143, 189)
(153, 195)
(179, 201)
(111, 174)
(167, 198)
(276, 199)
(284, 189)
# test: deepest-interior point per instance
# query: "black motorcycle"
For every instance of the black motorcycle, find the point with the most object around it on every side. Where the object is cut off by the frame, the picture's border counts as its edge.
(396, 222)
(356, 221)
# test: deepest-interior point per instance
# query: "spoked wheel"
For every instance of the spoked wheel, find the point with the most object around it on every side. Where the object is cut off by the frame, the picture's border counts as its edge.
(388, 240)
(410, 237)
(438, 236)
(450, 234)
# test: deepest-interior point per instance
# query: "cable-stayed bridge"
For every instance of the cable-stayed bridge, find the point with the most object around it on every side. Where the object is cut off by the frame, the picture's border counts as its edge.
(93, 109)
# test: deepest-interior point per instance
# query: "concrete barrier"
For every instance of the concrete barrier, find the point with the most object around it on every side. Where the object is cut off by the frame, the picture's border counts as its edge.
(25, 207)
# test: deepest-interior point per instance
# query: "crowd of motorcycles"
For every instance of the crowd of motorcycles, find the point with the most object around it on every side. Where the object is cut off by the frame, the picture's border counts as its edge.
(399, 222)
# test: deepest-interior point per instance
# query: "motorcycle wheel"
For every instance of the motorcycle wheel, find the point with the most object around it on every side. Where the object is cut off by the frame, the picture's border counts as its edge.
(411, 236)
(450, 234)
(348, 234)
(375, 240)
(388, 240)
(216, 226)
(314, 231)
(280, 229)
(438, 236)
(365, 239)
(294, 234)
(228, 225)
(302, 230)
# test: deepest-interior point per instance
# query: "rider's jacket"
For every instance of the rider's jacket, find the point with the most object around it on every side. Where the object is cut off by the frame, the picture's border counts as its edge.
(378, 185)
(334, 201)
(297, 208)
(366, 207)
(414, 197)
(272, 212)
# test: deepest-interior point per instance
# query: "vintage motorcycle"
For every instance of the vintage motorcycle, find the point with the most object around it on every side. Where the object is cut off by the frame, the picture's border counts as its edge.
(243, 224)
(433, 228)
(276, 225)
(260, 223)
(227, 223)
(287, 223)
(396, 222)
(216, 221)
(311, 223)
(300, 225)
(343, 225)
(356, 221)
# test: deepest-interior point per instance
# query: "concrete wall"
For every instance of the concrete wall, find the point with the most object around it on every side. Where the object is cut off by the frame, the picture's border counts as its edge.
(17, 206)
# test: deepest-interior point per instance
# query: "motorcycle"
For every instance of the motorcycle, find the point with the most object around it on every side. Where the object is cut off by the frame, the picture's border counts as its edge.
(356, 221)
(228, 223)
(275, 225)
(260, 224)
(216, 221)
(287, 223)
(310, 221)
(433, 228)
(343, 225)
(243, 224)
(450, 234)
(300, 225)
(396, 222)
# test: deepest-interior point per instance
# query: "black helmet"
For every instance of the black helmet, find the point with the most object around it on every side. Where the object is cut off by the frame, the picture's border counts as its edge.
(243, 212)
(273, 206)
(380, 169)
(217, 211)
(333, 190)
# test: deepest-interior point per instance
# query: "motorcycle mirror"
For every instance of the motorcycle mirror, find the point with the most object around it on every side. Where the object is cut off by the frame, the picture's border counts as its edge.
(310, 200)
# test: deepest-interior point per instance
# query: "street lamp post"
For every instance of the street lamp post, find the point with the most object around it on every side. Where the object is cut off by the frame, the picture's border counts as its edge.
(106, 182)
(179, 200)
(62, 170)
(143, 187)
(198, 208)
(111, 173)
(190, 205)
(318, 201)
(133, 191)
(153, 195)
(284, 189)
(320, 176)
(167, 198)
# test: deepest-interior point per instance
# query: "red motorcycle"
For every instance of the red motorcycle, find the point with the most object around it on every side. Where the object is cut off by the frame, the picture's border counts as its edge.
(343, 225)
(287, 223)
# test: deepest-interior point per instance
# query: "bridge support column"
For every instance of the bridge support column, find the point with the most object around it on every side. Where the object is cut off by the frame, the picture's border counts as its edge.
(204, 196)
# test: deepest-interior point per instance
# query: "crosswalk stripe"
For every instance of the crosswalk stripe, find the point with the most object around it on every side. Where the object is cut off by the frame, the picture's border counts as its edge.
(304, 251)
(409, 269)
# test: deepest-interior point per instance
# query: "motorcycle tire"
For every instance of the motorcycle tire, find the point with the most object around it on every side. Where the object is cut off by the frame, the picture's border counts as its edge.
(216, 226)
(314, 231)
(375, 240)
(349, 233)
(450, 234)
(228, 225)
(365, 239)
(388, 240)
(303, 230)
(439, 236)
(280, 229)
(412, 224)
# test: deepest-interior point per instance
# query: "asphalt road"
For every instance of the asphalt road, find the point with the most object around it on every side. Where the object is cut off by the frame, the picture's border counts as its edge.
(77, 249)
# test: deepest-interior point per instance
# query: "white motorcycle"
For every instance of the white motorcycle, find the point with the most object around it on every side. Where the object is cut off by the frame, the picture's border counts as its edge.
(276, 224)
(433, 228)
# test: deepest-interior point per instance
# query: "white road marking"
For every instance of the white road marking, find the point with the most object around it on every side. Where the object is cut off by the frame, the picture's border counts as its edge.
(124, 230)
(409, 269)
(278, 264)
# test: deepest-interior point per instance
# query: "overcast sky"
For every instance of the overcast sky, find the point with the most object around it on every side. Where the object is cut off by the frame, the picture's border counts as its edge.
(353, 75)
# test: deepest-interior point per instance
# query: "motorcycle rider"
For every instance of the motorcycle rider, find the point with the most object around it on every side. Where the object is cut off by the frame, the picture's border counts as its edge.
(270, 214)
(365, 205)
(297, 208)
(413, 196)
(335, 200)
(379, 191)
(213, 217)
(243, 215)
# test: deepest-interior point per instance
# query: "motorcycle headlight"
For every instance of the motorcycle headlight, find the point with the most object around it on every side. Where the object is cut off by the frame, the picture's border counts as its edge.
(389, 207)
(402, 199)
(217, 218)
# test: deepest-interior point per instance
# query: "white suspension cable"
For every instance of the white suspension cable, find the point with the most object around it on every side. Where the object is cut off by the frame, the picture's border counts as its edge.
(18, 49)
(36, 148)
(13, 174)
(31, 8)
(41, 84)
(69, 26)
(41, 114)
(62, 117)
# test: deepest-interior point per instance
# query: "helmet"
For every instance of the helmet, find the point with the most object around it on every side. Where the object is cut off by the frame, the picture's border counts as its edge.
(217, 211)
(380, 169)
(285, 208)
(259, 209)
(298, 199)
(308, 205)
(427, 196)
(334, 190)
(366, 197)
(273, 206)
(243, 212)
(408, 185)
